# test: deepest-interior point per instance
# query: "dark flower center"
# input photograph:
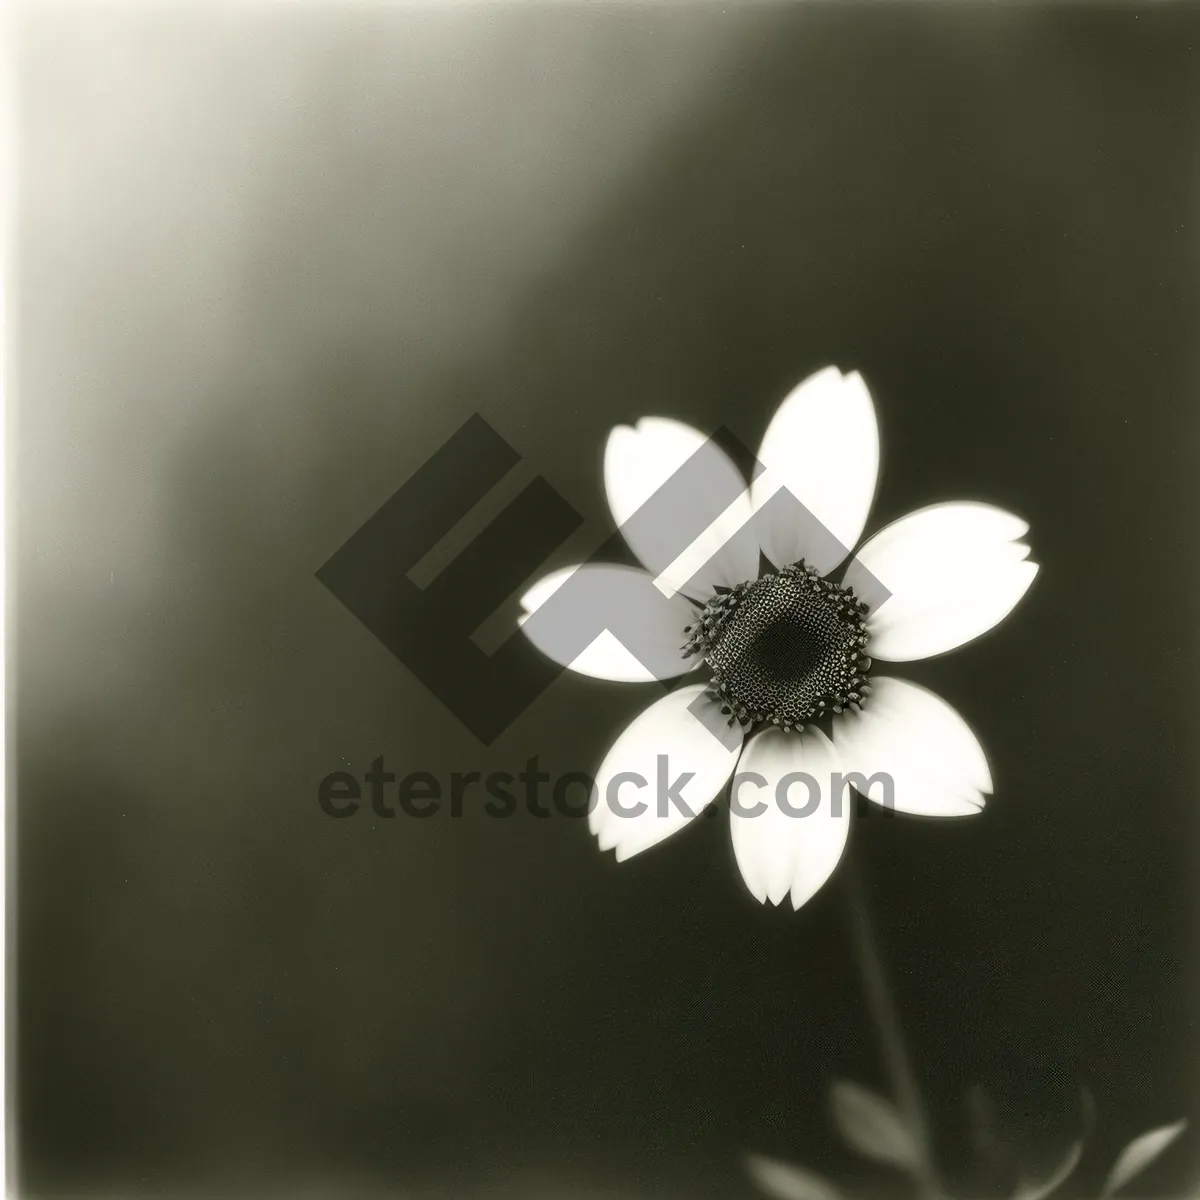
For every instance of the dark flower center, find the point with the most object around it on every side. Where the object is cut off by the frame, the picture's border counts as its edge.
(786, 648)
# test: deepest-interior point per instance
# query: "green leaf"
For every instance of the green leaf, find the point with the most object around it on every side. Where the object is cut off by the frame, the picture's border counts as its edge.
(785, 1182)
(1039, 1189)
(981, 1116)
(1139, 1154)
(873, 1126)
(1087, 1110)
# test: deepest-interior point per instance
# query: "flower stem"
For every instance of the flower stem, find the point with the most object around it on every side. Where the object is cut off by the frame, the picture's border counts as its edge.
(882, 1005)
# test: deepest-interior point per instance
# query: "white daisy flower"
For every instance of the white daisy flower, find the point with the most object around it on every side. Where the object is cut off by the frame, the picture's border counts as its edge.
(791, 654)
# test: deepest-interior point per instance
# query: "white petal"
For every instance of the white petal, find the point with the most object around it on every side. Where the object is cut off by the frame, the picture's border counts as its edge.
(953, 571)
(781, 853)
(673, 737)
(822, 446)
(935, 763)
(640, 631)
(700, 503)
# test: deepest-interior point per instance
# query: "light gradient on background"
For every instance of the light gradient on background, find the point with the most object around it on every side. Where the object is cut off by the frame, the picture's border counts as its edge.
(269, 258)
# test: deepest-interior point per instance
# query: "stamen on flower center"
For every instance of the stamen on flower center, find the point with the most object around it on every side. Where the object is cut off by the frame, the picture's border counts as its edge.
(786, 648)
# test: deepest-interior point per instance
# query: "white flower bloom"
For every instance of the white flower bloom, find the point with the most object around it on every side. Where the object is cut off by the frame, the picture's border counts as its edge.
(786, 649)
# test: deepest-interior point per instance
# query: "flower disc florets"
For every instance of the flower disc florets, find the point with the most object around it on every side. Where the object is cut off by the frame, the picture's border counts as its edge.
(786, 648)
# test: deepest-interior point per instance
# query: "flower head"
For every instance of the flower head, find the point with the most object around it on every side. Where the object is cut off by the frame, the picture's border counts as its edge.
(744, 580)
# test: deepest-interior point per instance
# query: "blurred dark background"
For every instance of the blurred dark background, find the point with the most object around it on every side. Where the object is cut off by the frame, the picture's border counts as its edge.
(268, 260)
